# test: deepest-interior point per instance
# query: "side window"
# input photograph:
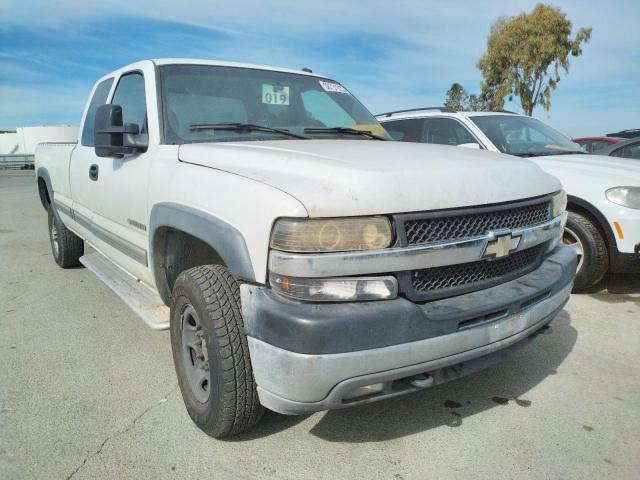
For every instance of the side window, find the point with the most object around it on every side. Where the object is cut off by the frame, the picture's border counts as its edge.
(99, 98)
(629, 151)
(445, 131)
(598, 144)
(618, 152)
(130, 96)
(404, 130)
(634, 151)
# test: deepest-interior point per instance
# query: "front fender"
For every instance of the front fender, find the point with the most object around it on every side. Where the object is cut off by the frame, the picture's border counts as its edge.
(225, 239)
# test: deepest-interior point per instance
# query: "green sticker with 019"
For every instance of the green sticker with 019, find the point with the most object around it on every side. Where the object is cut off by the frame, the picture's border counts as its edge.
(275, 94)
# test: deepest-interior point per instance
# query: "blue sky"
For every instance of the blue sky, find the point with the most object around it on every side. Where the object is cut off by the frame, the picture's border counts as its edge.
(391, 55)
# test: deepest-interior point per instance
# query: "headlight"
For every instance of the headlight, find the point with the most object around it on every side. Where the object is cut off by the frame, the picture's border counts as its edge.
(625, 196)
(303, 235)
(558, 203)
(344, 289)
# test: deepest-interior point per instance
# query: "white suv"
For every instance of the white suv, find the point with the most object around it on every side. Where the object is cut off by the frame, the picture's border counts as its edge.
(603, 193)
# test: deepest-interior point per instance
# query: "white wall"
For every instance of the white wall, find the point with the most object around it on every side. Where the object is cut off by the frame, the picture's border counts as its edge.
(8, 143)
(26, 138)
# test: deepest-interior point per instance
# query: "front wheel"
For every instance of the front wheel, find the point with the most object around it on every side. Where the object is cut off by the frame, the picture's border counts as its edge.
(583, 235)
(210, 352)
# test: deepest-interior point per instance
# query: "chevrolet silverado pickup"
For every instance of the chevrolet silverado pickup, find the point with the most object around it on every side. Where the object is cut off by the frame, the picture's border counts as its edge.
(300, 260)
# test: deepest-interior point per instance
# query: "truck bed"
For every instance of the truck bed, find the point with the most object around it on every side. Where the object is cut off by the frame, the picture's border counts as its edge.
(55, 158)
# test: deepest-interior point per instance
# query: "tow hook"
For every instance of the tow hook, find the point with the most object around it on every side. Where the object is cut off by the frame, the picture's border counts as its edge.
(421, 381)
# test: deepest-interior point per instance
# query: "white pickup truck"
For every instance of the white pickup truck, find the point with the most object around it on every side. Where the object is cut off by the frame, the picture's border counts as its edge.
(300, 261)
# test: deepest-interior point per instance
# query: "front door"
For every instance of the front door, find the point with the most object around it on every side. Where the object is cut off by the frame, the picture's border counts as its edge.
(112, 203)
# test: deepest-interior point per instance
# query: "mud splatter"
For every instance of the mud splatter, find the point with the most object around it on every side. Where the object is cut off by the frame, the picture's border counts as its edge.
(588, 428)
(500, 400)
(522, 402)
(452, 404)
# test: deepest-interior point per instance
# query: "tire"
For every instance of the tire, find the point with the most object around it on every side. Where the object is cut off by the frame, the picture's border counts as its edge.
(66, 246)
(211, 353)
(582, 233)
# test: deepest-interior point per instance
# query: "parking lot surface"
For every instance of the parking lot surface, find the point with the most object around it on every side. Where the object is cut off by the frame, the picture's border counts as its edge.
(88, 391)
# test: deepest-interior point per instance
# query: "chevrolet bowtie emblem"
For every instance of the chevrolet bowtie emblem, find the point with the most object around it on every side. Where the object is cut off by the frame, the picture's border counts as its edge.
(502, 246)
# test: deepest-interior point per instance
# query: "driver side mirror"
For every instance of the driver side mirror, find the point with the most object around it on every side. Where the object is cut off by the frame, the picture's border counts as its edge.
(112, 138)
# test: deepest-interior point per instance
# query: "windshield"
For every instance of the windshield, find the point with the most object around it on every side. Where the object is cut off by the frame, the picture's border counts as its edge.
(203, 103)
(524, 136)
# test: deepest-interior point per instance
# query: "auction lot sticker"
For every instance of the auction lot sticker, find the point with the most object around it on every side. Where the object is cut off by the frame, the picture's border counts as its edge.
(332, 87)
(275, 94)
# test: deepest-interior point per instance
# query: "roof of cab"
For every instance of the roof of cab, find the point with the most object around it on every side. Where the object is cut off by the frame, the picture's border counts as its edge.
(219, 63)
(436, 112)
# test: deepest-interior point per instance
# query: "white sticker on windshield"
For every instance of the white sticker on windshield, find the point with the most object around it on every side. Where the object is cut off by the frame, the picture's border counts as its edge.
(275, 94)
(332, 87)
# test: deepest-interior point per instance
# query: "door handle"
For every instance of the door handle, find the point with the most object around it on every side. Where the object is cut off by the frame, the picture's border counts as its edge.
(93, 172)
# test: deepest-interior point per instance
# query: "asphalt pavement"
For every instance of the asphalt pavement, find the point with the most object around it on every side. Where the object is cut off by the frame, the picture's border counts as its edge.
(88, 391)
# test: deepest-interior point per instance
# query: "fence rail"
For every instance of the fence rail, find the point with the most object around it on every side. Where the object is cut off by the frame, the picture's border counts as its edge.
(16, 162)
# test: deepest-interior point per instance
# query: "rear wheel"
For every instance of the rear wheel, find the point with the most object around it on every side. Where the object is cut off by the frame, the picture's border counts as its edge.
(582, 234)
(210, 352)
(66, 246)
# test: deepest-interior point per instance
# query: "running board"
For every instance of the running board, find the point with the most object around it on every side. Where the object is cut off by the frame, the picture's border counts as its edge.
(141, 299)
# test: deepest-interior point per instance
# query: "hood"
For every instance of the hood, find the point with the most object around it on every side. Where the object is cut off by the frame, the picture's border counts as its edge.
(364, 177)
(604, 171)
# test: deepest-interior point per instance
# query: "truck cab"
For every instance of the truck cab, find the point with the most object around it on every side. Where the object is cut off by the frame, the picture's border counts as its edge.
(300, 259)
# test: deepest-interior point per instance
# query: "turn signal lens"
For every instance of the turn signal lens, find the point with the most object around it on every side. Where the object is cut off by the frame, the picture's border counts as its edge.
(559, 203)
(303, 235)
(335, 289)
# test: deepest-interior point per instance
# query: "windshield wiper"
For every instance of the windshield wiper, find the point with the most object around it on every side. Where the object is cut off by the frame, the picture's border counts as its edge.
(545, 154)
(345, 130)
(244, 127)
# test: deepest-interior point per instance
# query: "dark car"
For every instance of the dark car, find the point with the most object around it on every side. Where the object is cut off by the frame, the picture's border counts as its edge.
(591, 144)
(630, 133)
(625, 149)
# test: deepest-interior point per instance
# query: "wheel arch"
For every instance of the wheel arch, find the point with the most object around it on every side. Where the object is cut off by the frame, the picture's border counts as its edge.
(181, 237)
(44, 187)
(580, 205)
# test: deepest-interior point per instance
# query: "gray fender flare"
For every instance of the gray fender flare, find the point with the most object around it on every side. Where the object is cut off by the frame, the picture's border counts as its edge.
(43, 174)
(225, 239)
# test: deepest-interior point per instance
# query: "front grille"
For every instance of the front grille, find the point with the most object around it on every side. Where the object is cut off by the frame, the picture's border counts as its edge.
(465, 224)
(452, 280)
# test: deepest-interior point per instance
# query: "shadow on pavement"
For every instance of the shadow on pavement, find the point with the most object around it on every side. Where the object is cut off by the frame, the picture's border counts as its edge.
(448, 404)
(618, 288)
(619, 284)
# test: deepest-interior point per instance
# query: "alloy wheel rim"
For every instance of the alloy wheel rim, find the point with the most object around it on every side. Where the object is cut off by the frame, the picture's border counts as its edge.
(54, 238)
(195, 357)
(570, 238)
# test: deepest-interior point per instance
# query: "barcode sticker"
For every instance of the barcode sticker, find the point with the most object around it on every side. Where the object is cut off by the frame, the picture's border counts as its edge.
(332, 87)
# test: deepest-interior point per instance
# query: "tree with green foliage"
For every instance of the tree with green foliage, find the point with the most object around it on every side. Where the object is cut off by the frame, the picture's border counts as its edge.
(525, 55)
(457, 98)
